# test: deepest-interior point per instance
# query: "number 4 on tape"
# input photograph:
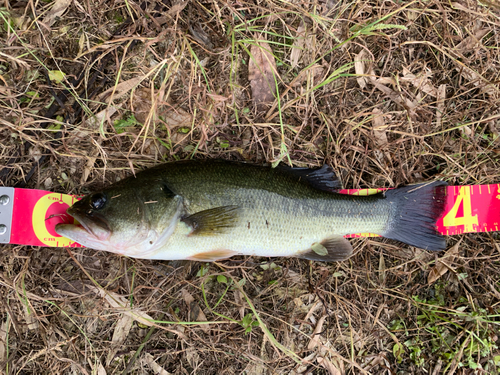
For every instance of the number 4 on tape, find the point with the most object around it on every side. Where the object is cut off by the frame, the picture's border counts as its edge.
(471, 209)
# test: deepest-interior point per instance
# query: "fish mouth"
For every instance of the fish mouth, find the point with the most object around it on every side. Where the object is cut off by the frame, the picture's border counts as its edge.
(90, 231)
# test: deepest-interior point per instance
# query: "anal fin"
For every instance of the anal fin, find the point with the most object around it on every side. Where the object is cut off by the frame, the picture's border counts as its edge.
(332, 249)
(213, 255)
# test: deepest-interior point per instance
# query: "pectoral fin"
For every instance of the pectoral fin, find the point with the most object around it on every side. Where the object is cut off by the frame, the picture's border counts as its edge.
(332, 249)
(212, 221)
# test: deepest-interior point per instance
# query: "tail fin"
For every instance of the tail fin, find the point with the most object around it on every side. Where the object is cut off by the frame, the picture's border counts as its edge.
(416, 209)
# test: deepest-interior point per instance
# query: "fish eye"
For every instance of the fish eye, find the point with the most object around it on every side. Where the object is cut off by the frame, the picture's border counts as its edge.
(98, 201)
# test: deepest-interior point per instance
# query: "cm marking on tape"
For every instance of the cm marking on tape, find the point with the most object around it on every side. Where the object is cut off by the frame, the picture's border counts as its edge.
(29, 217)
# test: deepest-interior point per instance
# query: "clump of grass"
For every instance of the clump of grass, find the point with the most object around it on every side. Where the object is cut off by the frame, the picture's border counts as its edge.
(463, 336)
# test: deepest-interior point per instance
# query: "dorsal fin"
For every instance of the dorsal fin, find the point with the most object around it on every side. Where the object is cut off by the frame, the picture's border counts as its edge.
(323, 178)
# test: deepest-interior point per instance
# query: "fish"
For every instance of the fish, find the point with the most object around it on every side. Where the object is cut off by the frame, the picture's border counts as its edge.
(214, 209)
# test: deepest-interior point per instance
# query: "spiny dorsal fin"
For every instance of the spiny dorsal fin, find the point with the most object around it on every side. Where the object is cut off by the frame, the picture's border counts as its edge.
(323, 178)
(332, 249)
(212, 221)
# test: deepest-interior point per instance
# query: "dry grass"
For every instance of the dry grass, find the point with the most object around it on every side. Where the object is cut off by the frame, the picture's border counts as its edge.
(388, 93)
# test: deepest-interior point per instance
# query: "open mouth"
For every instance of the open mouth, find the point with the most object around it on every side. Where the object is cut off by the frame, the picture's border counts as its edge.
(94, 226)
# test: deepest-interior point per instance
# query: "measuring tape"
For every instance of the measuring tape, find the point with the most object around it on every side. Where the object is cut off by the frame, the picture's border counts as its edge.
(29, 217)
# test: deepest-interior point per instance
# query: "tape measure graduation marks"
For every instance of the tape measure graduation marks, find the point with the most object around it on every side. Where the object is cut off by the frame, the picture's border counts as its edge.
(29, 217)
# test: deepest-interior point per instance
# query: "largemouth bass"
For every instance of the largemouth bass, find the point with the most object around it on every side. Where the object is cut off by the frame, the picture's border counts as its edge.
(210, 210)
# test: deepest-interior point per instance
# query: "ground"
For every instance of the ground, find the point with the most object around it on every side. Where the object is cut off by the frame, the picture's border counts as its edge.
(387, 93)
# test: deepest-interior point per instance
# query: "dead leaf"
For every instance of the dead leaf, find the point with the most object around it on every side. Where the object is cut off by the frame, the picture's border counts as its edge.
(396, 97)
(32, 322)
(238, 298)
(148, 359)
(440, 99)
(147, 107)
(380, 136)
(478, 81)
(314, 72)
(472, 41)
(494, 130)
(262, 75)
(421, 82)
(326, 364)
(187, 297)
(381, 269)
(379, 127)
(121, 304)
(177, 7)
(360, 67)
(177, 117)
(192, 357)
(96, 121)
(4, 331)
(96, 366)
(298, 45)
(329, 5)
(119, 90)
(196, 314)
(57, 10)
(466, 130)
(443, 264)
(122, 329)
(316, 334)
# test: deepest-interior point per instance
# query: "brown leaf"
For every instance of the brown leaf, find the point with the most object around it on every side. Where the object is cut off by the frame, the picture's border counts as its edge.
(314, 73)
(122, 304)
(238, 299)
(4, 331)
(177, 7)
(148, 359)
(360, 67)
(380, 136)
(329, 5)
(443, 264)
(119, 90)
(479, 81)
(122, 329)
(329, 366)
(57, 10)
(262, 75)
(298, 45)
(472, 41)
(316, 334)
(396, 97)
(195, 312)
(422, 81)
(440, 99)
(379, 127)
(147, 108)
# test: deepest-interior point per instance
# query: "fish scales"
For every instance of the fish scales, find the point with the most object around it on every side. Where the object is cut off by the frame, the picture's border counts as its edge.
(279, 215)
